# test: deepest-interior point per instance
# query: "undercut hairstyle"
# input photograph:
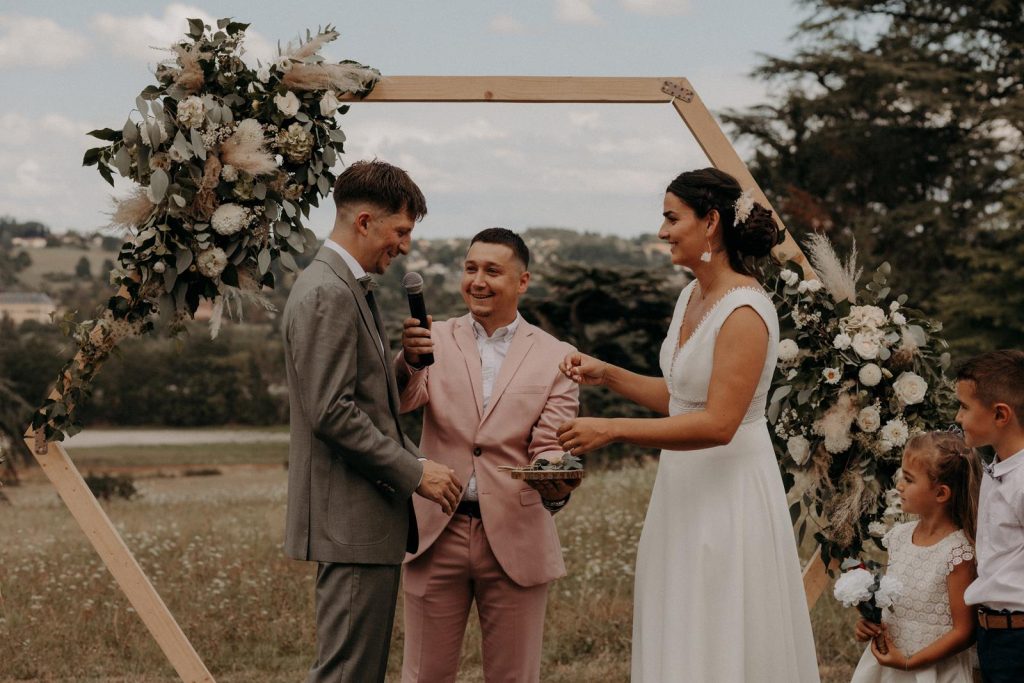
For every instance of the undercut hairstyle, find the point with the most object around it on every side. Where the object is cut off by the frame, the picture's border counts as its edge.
(744, 241)
(998, 377)
(948, 460)
(381, 184)
(509, 239)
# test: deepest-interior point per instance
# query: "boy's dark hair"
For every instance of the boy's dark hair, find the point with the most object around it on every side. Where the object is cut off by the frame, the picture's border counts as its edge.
(998, 377)
(380, 183)
(509, 239)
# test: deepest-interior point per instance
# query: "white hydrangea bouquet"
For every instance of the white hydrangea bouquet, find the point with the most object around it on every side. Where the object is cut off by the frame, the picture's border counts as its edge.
(864, 587)
(226, 160)
(859, 373)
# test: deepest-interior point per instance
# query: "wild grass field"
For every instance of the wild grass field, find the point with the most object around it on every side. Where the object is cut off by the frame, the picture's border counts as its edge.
(211, 546)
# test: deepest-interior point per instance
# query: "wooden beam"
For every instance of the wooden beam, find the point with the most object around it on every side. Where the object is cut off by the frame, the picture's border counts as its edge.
(816, 578)
(519, 89)
(111, 548)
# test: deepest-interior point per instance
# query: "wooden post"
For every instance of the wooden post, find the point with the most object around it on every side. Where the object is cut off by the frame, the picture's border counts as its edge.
(111, 548)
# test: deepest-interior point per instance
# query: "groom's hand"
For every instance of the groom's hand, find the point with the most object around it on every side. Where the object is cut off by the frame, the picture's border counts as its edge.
(440, 485)
(416, 340)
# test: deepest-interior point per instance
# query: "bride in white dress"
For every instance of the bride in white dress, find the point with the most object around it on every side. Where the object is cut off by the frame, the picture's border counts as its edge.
(718, 594)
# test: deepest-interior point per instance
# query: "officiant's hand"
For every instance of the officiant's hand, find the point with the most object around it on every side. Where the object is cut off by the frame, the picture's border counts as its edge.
(416, 340)
(585, 434)
(583, 369)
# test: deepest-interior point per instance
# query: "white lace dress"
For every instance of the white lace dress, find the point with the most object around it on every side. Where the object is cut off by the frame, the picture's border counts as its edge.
(718, 594)
(921, 614)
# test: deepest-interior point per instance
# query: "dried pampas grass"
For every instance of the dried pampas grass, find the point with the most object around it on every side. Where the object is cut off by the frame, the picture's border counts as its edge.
(247, 153)
(844, 509)
(190, 75)
(132, 211)
(839, 279)
(343, 78)
(311, 46)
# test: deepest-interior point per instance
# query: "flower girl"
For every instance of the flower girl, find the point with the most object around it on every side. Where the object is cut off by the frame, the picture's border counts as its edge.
(929, 628)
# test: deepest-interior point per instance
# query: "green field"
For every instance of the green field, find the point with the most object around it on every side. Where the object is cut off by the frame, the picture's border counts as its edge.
(180, 455)
(211, 546)
(61, 260)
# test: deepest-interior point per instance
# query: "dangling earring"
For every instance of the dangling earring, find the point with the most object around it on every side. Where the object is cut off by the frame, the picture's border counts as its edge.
(706, 256)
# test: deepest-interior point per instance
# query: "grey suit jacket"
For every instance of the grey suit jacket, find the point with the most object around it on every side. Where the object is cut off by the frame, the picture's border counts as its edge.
(351, 471)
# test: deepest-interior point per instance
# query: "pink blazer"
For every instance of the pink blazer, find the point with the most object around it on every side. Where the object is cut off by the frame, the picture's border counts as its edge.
(530, 400)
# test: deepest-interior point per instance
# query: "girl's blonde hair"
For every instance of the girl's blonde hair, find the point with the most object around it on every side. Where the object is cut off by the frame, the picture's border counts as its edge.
(948, 460)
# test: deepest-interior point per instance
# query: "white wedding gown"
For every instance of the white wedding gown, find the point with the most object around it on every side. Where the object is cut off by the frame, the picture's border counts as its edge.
(718, 593)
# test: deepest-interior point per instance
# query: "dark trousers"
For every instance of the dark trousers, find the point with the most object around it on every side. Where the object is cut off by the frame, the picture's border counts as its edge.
(1001, 654)
(355, 612)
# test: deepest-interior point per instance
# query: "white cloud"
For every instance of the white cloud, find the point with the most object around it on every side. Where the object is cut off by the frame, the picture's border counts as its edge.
(577, 12)
(146, 37)
(504, 23)
(657, 7)
(40, 42)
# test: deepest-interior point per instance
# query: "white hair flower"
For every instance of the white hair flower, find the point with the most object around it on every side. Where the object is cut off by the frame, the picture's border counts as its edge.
(868, 345)
(898, 318)
(808, 286)
(743, 206)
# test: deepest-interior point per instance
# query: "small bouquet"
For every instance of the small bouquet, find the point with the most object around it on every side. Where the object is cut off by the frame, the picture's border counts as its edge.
(869, 590)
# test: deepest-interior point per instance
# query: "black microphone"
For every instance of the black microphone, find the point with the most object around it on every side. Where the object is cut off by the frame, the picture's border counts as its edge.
(413, 283)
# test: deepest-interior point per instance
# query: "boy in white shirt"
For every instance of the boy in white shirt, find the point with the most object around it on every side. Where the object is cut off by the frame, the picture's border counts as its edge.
(990, 389)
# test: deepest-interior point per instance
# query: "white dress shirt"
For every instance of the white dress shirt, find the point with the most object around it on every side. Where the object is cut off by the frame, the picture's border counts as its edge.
(357, 270)
(493, 350)
(1000, 543)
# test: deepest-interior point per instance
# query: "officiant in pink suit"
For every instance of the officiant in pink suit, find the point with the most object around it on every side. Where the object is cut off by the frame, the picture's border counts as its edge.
(493, 396)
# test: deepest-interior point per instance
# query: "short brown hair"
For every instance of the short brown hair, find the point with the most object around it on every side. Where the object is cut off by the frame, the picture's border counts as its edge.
(382, 184)
(998, 377)
(505, 237)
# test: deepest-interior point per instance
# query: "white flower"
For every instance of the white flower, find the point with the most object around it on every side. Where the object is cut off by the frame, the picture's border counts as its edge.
(892, 496)
(263, 74)
(894, 306)
(842, 341)
(867, 345)
(898, 318)
(869, 419)
(808, 286)
(789, 277)
(249, 132)
(910, 388)
(743, 206)
(877, 529)
(792, 373)
(229, 173)
(889, 588)
(159, 267)
(854, 587)
(144, 130)
(212, 262)
(799, 449)
(895, 432)
(192, 112)
(832, 375)
(838, 442)
(870, 375)
(229, 219)
(283, 64)
(863, 318)
(329, 104)
(288, 103)
(788, 350)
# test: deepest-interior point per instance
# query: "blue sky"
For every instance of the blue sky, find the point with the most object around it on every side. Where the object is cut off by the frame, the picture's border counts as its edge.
(66, 68)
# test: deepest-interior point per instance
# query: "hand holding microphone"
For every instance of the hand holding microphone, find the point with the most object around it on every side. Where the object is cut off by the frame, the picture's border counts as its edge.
(419, 349)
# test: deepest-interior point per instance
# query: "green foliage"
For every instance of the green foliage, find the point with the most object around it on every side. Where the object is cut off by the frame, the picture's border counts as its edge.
(109, 486)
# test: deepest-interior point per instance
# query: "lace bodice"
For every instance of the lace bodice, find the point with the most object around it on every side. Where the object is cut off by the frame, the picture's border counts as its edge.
(921, 612)
(687, 369)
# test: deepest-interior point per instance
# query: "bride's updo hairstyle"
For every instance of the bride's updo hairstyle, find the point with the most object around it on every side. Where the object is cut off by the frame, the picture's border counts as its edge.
(744, 241)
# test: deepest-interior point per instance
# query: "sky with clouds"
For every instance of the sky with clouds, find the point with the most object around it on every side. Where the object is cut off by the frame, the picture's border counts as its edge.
(67, 68)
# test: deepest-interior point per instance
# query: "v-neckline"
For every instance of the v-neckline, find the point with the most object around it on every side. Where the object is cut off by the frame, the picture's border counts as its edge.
(680, 343)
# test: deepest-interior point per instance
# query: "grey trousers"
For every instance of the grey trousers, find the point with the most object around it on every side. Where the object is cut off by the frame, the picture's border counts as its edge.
(355, 612)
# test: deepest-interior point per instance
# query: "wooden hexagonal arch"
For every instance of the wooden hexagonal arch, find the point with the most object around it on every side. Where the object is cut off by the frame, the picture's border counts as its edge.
(59, 468)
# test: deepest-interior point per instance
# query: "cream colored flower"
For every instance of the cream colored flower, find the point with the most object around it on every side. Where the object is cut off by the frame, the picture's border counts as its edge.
(249, 133)
(863, 318)
(842, 341)
(854, 587)
(295, 143)
(895, 432)
(831, 375)
(877, 529)
(799, 448)
(898, 318)
(869, 419)
(192, 112)
(867, 345)
(229, 219)
(229, 173)
(808, 286)
(288, 103)
(788, 350)
(910, 388)
(329, 104)
(870, 375)
(212, 262)
(789, 277)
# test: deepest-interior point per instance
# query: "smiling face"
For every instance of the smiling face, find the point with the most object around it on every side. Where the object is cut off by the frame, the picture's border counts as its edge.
(974, 417)
(388, 236)
(683, 230)
(492, 281)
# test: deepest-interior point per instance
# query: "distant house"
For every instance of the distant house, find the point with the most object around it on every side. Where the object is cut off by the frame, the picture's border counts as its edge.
(29, 242)
(22, 306)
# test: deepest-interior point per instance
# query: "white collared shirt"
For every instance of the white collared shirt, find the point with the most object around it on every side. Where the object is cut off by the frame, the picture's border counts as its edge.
(357, 271)
(493, 350)
(1000, 543)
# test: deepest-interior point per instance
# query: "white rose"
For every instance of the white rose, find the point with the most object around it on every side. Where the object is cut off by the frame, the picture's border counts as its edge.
(870, 375)
(329, 104)
(863, 318)
(889, 588)
(867, 344)
(895, 432)
(910, 388)
(799, 449)
(898, 318)
(789, 277)
(869, 419)
(192, 112)
(832, 375)
(263, 74)
(283, 64)
(288, 103)
(842, 341)
(788, 350)
(877, 529)
(854, 587)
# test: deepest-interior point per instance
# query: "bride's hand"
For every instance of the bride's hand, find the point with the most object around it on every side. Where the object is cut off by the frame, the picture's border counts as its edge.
(585, 434)
(583, 369)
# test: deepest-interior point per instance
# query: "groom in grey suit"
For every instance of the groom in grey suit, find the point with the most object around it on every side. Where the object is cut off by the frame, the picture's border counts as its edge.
(351, 470)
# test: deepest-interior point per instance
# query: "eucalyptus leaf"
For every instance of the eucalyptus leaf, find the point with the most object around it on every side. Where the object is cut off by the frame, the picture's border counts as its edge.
(288, 262)
(336, 134)
(263, 261)
(282, 228)
(289, 209)
(123, 162)
(259, 191)
(158, 183)
(179, 200)
(781, 393)
(198, 146)
(170, 276)
(183, 259)
(142, 105)
(323, 186)
(130, 133)
(296, 242)
(330, 156)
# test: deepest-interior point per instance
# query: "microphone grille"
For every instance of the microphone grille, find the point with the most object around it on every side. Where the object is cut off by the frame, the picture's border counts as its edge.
(413, 283)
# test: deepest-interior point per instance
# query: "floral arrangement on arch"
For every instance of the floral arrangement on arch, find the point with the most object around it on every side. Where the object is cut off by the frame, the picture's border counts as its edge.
(859, 373)
(227, 159)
